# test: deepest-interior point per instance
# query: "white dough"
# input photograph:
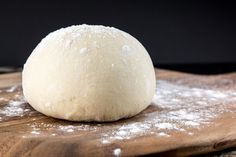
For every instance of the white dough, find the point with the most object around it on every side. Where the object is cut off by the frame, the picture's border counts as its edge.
(89, 73)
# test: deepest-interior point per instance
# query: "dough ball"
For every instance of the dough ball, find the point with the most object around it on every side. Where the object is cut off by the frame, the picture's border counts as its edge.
(89, 73)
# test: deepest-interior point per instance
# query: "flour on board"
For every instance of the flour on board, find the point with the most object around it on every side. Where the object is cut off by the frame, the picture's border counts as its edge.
(178, 108)
(117, 152)
(17, 107)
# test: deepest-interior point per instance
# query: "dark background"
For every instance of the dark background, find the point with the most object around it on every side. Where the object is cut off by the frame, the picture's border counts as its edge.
(195, 36)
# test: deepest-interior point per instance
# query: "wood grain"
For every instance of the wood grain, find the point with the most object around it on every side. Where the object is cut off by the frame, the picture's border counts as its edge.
(26, 133)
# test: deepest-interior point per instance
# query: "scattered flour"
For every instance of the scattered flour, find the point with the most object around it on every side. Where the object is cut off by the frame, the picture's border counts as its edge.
(175, 108)
(70, 130)
(190, 133)
(17, 107)
(12, 89)
(13, 109)
(175, 111)
(35, 132)
(117, 152)
(105, 142)
(163, 134)
(66, 36)
(73, 128)
(165, 126)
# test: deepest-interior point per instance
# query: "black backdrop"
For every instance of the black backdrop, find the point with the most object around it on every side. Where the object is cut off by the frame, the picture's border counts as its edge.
(173, 32)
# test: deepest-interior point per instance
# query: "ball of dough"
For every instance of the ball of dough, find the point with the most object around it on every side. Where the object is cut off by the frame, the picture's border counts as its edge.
(89, 73)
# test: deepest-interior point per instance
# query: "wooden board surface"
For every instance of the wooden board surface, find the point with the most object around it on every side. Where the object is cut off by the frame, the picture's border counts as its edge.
(190, 114)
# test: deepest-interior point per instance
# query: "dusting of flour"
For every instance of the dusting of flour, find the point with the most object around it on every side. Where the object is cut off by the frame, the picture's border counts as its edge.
(67, 36)
(175, 108)
(14, 107)
(179, 108)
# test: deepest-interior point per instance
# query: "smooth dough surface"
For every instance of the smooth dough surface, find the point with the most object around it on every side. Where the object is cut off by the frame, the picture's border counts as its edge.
(89, 73)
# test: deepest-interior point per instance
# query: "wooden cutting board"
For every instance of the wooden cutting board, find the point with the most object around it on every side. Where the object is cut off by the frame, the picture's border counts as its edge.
(190, 114)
